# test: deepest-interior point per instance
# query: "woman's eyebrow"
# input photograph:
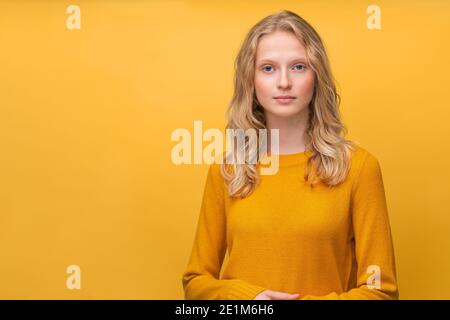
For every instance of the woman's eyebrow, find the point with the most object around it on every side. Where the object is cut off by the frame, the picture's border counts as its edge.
(303, 59)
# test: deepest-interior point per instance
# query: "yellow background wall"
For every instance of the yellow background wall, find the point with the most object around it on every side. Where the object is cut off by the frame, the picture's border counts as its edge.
(86, 117)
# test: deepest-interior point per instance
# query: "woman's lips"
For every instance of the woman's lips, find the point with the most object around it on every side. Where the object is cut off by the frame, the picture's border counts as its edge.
(286, 100)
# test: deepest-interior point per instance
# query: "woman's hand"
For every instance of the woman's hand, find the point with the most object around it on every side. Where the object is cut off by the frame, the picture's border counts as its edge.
(275, 295)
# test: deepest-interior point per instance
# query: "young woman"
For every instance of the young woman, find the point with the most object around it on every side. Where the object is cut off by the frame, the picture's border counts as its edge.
(319, 227)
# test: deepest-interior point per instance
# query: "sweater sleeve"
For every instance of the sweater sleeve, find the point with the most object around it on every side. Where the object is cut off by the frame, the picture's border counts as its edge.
(372, 238)
(201, 277)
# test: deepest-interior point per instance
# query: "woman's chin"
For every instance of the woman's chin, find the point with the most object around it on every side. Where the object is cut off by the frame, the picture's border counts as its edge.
(283, 111)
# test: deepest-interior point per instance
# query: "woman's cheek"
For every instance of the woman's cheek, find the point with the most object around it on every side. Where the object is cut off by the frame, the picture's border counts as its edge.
(263, 88)
(306, 86)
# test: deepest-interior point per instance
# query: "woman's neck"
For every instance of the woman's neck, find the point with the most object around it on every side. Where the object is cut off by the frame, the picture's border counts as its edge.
(292, 132)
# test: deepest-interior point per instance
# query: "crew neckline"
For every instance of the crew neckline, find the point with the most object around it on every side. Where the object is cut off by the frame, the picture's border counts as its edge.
(291, 159)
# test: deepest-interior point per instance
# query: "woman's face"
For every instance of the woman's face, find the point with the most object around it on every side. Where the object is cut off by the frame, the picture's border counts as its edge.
(282, 69)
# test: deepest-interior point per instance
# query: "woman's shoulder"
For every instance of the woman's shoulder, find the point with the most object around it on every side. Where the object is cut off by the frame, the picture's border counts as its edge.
(362, 158)
(358, 152)
(215, 168)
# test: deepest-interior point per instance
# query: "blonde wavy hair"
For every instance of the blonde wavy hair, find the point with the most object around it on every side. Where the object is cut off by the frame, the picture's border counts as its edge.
(330, 152)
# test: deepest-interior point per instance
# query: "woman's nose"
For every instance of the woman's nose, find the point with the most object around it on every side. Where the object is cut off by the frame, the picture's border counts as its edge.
(283, 80)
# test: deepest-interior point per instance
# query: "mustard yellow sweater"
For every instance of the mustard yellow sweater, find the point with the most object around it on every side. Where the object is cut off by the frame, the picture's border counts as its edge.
(323, 243)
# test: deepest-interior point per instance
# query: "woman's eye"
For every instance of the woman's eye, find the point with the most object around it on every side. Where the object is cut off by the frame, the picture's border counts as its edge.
(298, 67)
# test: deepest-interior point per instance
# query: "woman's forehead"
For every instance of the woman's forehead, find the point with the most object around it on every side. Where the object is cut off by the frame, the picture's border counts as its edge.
(280, 46)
